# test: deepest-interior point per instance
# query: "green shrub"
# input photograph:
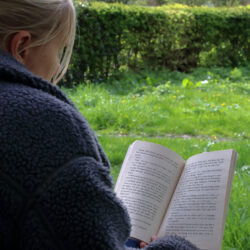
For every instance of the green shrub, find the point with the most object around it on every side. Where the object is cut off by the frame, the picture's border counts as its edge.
(115, 36)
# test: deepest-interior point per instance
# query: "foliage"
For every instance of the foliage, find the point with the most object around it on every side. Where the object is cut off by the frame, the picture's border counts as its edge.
(187, 2)
(192, 2)
(115, 36)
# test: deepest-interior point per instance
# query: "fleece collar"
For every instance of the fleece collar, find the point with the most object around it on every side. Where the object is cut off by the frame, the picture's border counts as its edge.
(13, 71)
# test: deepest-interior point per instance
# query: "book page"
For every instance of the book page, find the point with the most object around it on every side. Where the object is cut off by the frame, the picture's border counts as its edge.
(145, 185)
(198, 207)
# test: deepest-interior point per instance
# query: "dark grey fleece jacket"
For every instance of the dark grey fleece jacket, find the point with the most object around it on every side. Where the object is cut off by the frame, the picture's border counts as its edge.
(55, 187)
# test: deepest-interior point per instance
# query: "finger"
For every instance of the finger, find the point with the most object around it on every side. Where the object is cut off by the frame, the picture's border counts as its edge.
(143, 244)
(154, 238)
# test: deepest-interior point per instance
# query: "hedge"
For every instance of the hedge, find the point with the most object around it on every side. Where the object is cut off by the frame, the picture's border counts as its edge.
(114, 36)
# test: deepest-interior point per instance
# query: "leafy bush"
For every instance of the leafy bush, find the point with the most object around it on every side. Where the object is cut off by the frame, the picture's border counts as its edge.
(177, 37)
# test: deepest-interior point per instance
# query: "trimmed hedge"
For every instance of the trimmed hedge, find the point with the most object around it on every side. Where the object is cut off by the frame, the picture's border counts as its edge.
(111, 36)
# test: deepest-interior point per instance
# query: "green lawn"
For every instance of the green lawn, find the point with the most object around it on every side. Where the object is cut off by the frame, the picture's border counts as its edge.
(210, 105)
(208, 109)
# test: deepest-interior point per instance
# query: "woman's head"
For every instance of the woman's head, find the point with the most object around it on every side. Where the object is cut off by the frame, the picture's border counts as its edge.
(37, 31)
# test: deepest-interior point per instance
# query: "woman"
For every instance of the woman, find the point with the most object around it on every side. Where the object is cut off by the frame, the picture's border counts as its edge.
(55, 187)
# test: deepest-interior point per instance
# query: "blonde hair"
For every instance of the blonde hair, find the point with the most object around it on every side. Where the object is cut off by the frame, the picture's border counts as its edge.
(45, 20)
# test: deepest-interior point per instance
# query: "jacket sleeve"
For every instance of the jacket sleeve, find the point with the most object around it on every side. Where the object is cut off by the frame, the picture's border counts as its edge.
(172, 242)
(81, 209)
(169, 242)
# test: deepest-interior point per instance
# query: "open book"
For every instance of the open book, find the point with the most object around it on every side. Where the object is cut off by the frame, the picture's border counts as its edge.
(165, 195)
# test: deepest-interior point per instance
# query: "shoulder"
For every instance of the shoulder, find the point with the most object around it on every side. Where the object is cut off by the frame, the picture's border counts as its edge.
(33, 106)
(42, 131)
(34, 110)
(29, 97)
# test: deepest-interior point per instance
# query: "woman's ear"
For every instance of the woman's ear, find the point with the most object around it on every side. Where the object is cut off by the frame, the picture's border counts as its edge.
(18, 44)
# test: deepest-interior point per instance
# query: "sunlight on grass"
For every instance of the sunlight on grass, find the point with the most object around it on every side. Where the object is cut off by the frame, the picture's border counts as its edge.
(211, 106)
(116, 147)
(188, 113)
(238, 216)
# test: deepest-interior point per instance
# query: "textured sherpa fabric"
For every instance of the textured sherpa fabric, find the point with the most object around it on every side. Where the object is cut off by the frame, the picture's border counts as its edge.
(55, 186)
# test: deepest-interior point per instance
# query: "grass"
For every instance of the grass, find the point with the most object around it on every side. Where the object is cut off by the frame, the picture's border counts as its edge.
(116, 148)
(188, 113)
(210, 105)
(237, 228)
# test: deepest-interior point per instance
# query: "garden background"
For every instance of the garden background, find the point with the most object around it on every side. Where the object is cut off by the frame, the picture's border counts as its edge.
(173, 74)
